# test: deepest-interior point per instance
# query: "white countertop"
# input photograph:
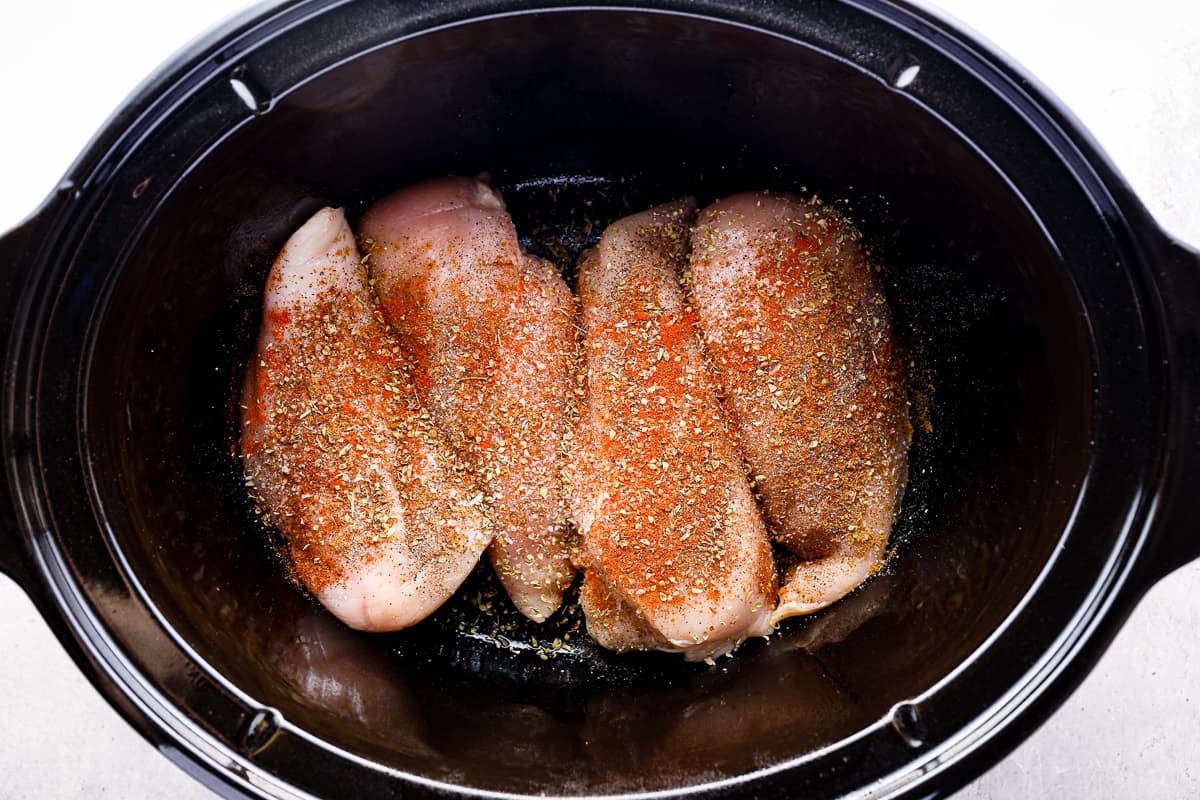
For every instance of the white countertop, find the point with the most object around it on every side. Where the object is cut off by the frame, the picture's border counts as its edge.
(1129, 71)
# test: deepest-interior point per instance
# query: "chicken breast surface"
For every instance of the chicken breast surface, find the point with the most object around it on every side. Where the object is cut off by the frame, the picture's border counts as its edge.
(491, 332)
(799, 333)
(675, 552)
(380, 525)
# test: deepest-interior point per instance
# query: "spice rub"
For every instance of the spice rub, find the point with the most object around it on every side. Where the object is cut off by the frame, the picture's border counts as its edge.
(799, 334)
(491, 334)
(380, 523)
(714, 429)
(674, 549)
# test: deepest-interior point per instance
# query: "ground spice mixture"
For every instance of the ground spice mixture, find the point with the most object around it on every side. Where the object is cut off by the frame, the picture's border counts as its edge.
(799, 333)
(675, 551)
(335, 443)
(667, 402)
(490, 334)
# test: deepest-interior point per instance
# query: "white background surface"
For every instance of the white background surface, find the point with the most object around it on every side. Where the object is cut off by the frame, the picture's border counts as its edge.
(1129, 71)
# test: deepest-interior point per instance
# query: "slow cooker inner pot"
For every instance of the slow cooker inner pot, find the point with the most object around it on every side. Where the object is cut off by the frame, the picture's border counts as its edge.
(578, 118)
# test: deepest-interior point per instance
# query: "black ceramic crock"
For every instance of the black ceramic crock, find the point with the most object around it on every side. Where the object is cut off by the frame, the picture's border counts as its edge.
(1053, 329)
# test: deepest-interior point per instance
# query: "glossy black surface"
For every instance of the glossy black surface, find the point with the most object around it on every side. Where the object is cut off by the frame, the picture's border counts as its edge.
(1022, 274)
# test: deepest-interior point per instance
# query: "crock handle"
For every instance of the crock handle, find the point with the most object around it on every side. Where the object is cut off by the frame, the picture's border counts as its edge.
(1176, 541)
(18, 249)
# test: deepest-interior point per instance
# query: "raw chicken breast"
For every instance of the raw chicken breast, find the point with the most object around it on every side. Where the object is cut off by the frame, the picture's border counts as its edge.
(799, 332)
(491, 332)
(675, 552)
(379, 523)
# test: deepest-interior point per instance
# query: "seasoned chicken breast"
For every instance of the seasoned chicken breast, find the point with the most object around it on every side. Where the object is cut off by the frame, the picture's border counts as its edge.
(799, 333)
(380, 526)
(675, 552)
(491, 334)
